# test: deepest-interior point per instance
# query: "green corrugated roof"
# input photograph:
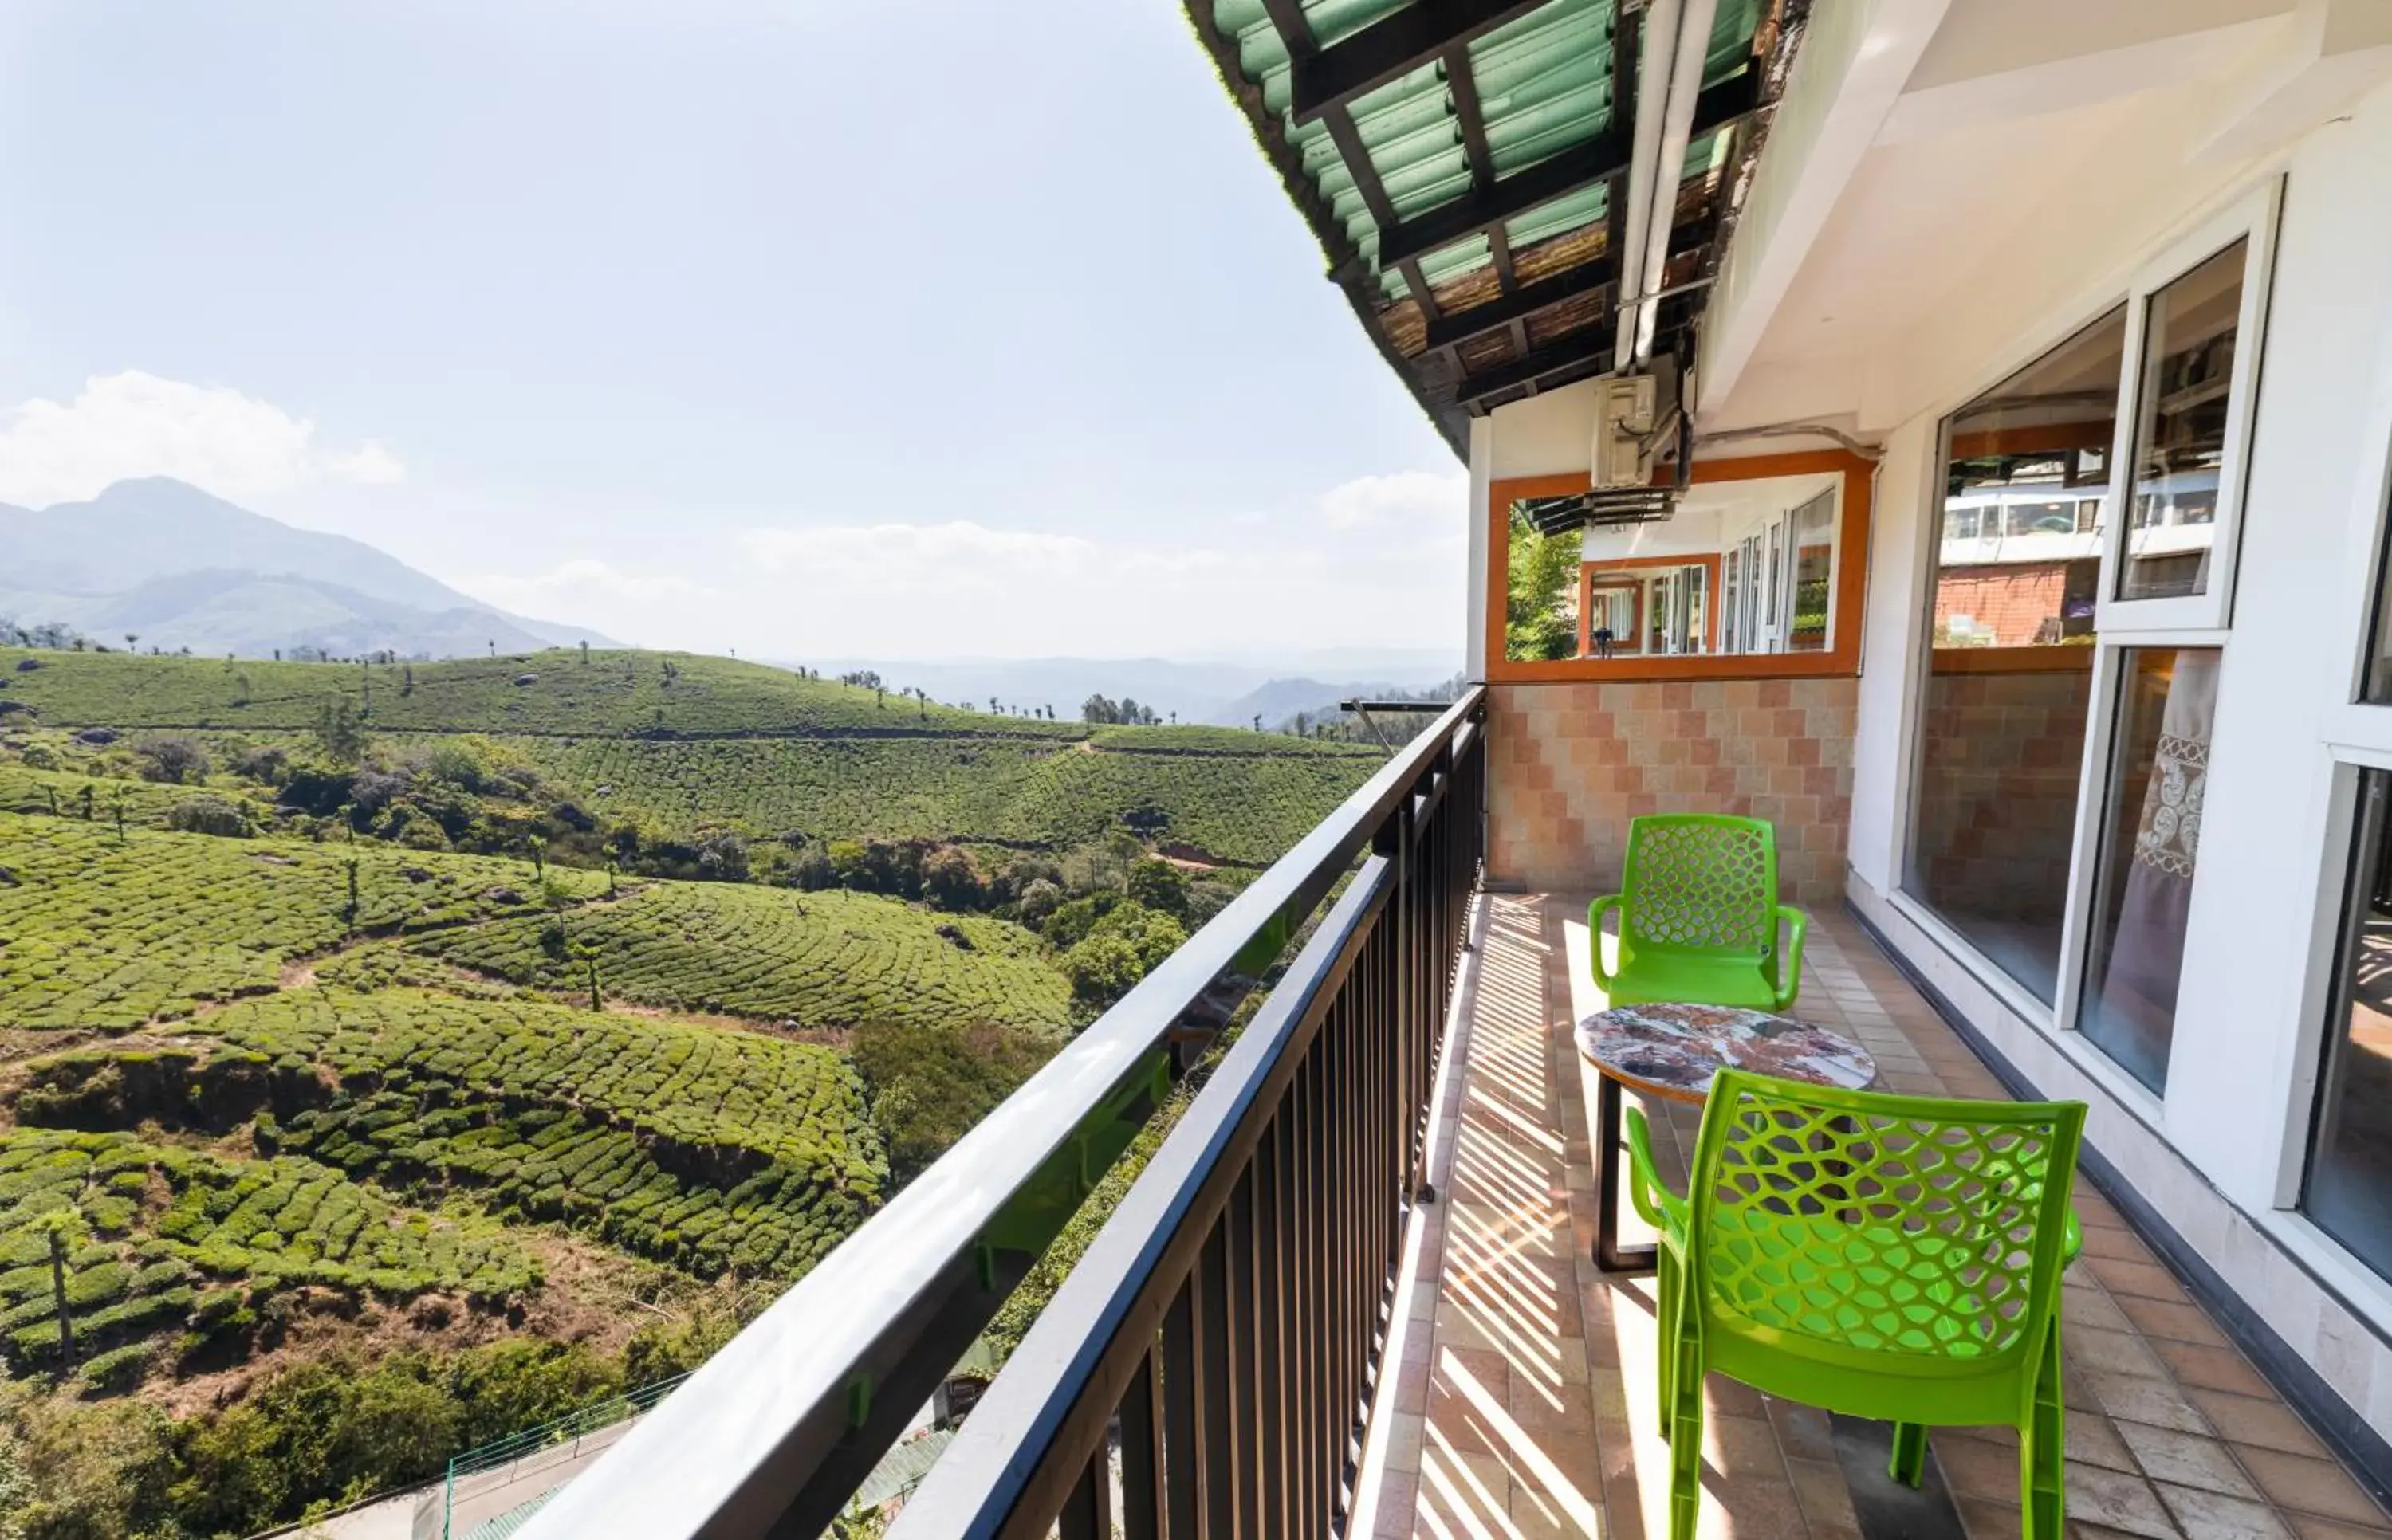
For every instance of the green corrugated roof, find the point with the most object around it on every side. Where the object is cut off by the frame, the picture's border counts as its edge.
(1543, 82)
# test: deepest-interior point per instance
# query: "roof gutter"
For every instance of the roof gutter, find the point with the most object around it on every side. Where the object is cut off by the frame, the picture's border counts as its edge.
(1669, 78)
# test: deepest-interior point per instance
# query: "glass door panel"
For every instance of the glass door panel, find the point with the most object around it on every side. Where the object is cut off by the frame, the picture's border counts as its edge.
(2150, 844)
(2348, 1187)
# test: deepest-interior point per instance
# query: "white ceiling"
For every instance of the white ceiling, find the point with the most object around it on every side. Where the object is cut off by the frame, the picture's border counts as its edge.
(2033, 150)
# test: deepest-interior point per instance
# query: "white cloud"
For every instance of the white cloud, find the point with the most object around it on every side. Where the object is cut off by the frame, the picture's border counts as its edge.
(1407, 500)
(581, 581)
(1377, 561)
(137, 424)
(918, 558)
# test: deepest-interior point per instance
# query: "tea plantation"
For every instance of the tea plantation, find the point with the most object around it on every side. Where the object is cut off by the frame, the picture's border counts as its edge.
(706, 1148)
(814, 960)
(175, 1241)
(690, 743)
(106, 933)
(558, 692)
(1246, 808)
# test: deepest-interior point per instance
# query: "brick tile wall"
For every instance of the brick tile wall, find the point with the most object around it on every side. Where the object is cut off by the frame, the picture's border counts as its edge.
(1572, 763)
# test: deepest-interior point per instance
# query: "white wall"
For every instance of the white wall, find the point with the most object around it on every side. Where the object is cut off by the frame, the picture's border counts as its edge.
(2220, 1157)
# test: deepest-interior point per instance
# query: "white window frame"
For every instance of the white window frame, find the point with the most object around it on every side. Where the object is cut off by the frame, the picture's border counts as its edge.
(2251, 218)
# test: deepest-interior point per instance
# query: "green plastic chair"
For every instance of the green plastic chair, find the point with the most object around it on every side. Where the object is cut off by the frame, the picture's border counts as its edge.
(1887, 1256)
(1700, 916)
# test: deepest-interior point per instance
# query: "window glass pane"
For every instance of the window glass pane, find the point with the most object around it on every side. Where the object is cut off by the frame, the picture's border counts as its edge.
(2348, 1189)
(2188, 370)
(2150, 839)
(2009, 665)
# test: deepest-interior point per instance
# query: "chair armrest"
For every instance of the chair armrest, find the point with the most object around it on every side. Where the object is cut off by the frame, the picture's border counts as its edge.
(1661, 1209)
(1594, 938)
(1789, 960)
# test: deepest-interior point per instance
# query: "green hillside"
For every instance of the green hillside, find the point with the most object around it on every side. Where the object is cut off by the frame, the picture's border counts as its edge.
(828, 960)
(178, 1243)
(521, 1033)
(719, 744)
(560, 692)
(99, 932)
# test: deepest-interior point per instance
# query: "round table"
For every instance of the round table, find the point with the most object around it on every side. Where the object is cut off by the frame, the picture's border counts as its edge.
(1672, 1051)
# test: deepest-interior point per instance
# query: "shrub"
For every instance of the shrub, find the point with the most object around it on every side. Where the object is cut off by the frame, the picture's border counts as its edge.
(1038, 903)
(1161, 886)
(953, 879)
(172, 758)
(208, 814)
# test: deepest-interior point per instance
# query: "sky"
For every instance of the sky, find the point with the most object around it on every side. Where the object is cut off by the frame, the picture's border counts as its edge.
(910, 328)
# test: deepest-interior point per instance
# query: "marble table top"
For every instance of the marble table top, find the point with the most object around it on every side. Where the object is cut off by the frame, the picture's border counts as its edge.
(1673, 1051)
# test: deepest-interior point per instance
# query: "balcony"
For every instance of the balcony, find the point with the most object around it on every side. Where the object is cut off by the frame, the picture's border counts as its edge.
(1351, 1293)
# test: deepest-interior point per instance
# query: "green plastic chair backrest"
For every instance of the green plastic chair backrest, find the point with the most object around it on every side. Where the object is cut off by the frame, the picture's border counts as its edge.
(1704, 882)
(1869, 1224)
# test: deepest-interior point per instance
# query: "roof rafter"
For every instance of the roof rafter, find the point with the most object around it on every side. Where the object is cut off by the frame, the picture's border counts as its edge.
(1583, 352)
(1393, 46)
(1598, 158)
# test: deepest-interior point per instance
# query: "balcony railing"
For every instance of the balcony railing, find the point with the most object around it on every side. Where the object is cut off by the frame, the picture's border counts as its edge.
(1227, 1318)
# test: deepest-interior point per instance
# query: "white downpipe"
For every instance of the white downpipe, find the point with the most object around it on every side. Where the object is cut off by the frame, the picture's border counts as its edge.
(1680, 77)
(1655, 54)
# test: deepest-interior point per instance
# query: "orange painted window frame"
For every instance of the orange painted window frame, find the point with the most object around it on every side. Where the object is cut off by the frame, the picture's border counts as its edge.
(1841, 660)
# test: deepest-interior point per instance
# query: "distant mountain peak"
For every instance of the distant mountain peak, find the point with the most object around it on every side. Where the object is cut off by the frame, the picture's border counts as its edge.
(186, 568)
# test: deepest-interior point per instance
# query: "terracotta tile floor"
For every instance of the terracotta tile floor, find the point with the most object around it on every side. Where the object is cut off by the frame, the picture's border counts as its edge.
(1524, 1400)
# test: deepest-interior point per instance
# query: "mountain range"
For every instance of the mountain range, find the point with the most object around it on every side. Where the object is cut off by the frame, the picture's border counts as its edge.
(164, 560)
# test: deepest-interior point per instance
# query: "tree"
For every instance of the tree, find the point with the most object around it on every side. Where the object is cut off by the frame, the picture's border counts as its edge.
(66, 1230)
(953, 879)
(173, 759)
(1160, 887)
(1541, 608)
(340, 731)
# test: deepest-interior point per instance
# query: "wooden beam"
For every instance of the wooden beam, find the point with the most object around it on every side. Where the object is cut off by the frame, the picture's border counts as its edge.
(1604, 156)
(1583, 352)
(1521, 303)
(1524, 303)
(1470, 117)
(1393, 46)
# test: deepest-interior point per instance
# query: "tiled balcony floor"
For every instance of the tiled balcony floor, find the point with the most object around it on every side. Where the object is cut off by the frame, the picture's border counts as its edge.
(1525, 1395)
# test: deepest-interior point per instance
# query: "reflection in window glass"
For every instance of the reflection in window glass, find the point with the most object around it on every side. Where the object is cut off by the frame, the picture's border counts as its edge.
(1734, 566)
(2348, 1189)
(2189, 331)
(2150, 840)
(2009, 669)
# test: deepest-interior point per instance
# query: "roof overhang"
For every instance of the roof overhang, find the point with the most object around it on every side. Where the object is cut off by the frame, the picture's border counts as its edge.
(1465, 164)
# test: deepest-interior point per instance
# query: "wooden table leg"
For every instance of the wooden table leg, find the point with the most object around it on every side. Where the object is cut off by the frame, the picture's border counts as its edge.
(1609, 1255)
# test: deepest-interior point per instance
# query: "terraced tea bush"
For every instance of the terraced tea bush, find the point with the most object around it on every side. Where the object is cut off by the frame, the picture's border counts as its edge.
(705, 1147)
(179, 1238)
(605, 692)
(1246, 808)
(107, 932)
(820, 959)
